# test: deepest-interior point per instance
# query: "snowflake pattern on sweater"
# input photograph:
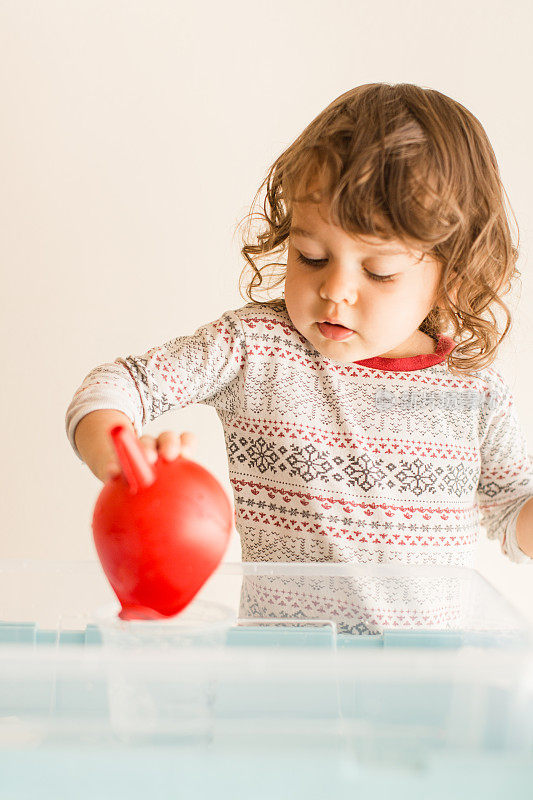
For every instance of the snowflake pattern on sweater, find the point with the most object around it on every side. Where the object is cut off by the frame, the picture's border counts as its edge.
(378, 461)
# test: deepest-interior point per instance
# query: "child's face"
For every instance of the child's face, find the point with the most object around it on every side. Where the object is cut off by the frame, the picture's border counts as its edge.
(383, 315)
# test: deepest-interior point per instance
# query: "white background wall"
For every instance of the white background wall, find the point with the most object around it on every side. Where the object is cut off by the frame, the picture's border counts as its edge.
(134, 136)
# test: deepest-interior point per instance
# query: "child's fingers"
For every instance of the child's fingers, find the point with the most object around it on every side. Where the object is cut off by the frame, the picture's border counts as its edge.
(148, 444)
(188, 443)
(168, 445)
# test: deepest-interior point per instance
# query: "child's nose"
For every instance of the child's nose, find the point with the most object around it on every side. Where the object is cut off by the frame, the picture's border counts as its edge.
(340, 284)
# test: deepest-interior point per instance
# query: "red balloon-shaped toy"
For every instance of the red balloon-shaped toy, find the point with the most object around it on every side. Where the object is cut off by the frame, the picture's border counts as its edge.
(160, 530)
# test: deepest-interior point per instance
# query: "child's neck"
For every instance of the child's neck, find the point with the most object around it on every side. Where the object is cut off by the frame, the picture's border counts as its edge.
(422, 345)
(428, 345)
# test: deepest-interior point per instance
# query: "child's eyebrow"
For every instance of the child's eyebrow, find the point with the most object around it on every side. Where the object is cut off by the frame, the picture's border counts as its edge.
(297, 231)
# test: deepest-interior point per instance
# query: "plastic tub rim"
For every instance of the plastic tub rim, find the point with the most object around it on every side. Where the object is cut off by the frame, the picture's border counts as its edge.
(106, 617)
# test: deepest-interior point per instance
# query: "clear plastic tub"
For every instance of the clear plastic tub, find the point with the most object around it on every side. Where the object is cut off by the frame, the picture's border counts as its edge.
(342, 603)
(148, 706)
(363, 670)
(201, 624)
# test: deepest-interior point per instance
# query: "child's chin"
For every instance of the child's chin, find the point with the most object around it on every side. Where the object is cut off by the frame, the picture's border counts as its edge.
(334, 351)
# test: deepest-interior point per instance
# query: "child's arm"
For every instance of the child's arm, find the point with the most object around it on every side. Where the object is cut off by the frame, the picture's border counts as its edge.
(524, 528)
(96, 449)
(505, 487)
(199, 368)
(92, 439)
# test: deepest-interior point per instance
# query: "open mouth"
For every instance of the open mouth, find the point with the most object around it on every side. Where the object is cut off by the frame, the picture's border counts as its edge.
(336, 332)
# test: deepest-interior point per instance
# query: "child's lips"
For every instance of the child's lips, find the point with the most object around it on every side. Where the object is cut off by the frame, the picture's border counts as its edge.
(336, 332)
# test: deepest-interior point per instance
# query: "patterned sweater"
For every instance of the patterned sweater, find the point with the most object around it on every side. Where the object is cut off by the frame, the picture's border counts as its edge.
(378, 461)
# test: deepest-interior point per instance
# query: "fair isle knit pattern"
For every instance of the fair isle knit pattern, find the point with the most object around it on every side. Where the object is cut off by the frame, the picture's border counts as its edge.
(378, 461)
(368, 603)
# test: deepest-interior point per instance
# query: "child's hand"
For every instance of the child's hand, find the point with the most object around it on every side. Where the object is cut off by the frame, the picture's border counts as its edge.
(168, 445)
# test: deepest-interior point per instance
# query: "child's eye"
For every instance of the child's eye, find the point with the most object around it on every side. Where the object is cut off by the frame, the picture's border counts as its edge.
(315, 262)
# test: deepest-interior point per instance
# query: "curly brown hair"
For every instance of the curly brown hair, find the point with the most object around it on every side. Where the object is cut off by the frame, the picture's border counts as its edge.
(403, 162)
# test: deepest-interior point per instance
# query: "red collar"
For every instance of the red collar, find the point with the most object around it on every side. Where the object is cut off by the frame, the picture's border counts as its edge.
(444, 346)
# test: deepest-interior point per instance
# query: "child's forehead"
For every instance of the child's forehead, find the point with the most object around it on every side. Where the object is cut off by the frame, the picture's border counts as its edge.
(312, 219)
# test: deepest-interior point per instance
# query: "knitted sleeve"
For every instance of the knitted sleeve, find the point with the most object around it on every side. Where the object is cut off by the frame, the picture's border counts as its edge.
(200, 368)
(506, 474)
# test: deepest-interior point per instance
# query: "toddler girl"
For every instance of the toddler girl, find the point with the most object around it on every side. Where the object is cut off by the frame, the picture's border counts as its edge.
(362, 418)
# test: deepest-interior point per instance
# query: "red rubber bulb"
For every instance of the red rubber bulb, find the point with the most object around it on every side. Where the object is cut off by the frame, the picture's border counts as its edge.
(160, 530)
